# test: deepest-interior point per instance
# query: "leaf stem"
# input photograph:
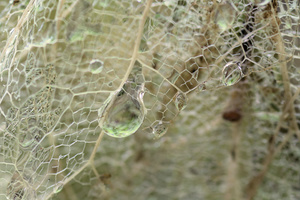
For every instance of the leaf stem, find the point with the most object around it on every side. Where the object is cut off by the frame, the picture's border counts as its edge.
(137, 43)
(288, 107)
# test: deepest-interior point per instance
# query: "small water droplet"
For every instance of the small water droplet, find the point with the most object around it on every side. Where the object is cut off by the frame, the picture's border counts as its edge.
(159, 130)
(104, 3)
(9, 58)
(58, 188)
(231, 74)
(123, 112)
(180, 101)
(288, 24)
(174, 77)
(26, 143)
(202, 87)
(96, 66)
(225, 16)
(31, 136)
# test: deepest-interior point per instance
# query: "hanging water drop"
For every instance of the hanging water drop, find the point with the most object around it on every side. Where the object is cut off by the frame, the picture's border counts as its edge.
(26, 141)
(31, 135)
(288, 24)
(58, 188)
(123, 112)
(96, 66)
(159, 130)
(180, 101)
(231, 74)
(202, 87)
(225, 16)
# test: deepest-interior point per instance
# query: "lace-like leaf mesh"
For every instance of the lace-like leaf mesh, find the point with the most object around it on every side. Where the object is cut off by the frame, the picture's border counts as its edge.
(206, 91)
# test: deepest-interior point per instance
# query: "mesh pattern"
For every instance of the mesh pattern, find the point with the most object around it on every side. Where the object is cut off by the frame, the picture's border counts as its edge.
(216, 83)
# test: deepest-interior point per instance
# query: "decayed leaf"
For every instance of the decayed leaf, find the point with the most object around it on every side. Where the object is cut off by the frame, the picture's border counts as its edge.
(215, 82)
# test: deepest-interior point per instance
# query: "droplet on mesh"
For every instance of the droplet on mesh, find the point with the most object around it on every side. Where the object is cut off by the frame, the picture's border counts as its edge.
(159, 130)
(110, 84)
(180, 101)
(96, 66)
(231, 74)
(202, 87)
(28, 139)
(31, 136)
(225, 16)
(26, 142)
(123, 112)
(58, 188)
(288, 24)
(9, 58)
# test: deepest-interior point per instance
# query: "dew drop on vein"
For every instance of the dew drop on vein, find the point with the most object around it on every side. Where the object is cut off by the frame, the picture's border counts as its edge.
(96, 66)
(231, 74)
(202, 87)
(123, 112)
(180, 101)
(225, 16)
(159, 130)
(58, 188)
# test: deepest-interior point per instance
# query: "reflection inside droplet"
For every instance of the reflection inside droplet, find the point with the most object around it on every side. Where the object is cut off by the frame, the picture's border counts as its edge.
(159, 130)
(225, 16)
(180, 101)
(96, 66)
(231, 74)
(202, 87)
(58, 188)
(123, 112)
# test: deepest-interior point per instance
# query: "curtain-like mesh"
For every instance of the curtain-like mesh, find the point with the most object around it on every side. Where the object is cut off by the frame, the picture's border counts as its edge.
(149, 99)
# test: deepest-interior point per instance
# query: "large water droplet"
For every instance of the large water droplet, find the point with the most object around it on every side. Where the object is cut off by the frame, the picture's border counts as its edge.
(159, 130)
(231, 74)
(180, 101)
(225, 16)
(123, 112)
(96, 66)
(58, 188)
